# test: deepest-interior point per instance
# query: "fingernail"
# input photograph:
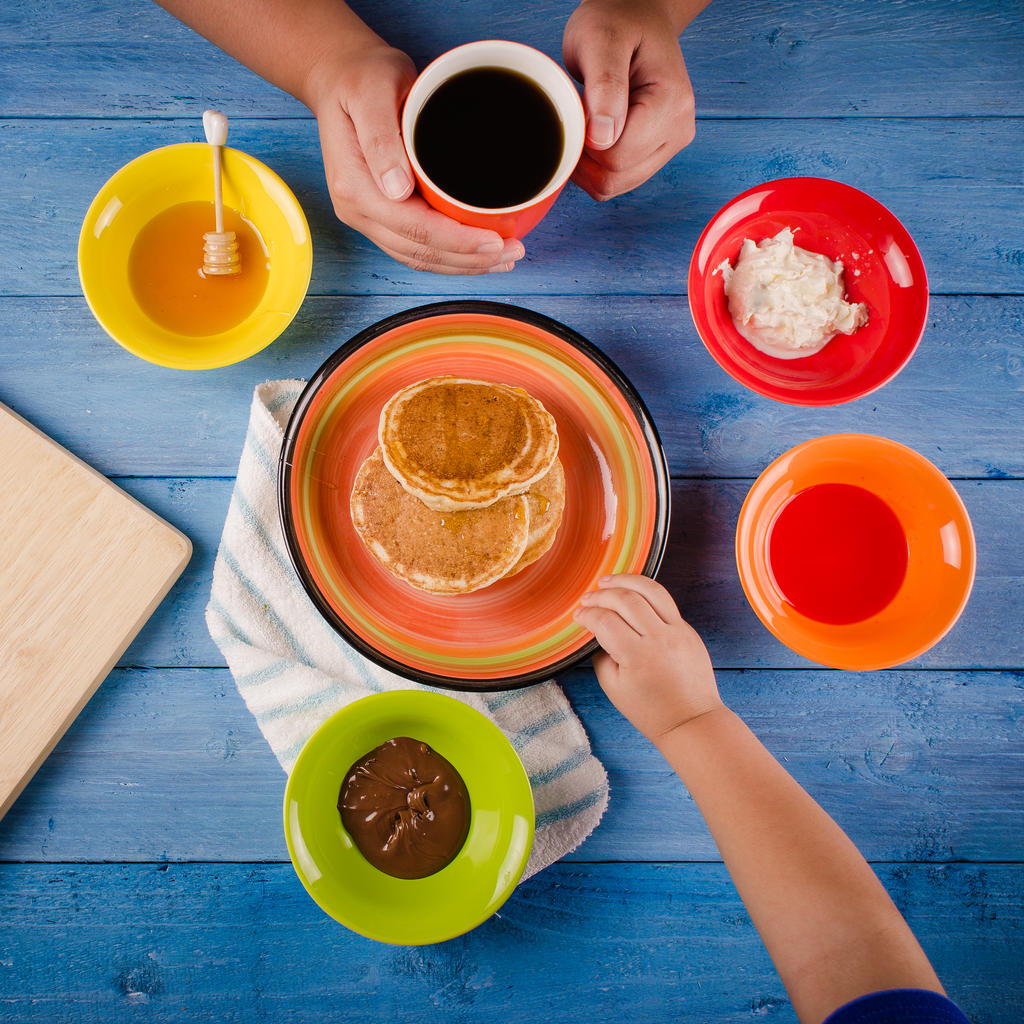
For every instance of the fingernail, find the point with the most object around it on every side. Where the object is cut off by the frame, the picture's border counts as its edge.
(601, 130)
(501, 268)
(514, 251)
(491, 247)
(395, 183)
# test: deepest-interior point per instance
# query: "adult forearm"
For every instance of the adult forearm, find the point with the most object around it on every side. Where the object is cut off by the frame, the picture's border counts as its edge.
(288, 42)
(825, 919)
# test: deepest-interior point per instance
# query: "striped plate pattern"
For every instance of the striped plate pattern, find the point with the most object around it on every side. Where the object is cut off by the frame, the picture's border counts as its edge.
(520, 629)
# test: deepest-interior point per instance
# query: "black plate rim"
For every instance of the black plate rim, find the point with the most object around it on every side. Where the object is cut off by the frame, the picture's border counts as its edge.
(659, 461)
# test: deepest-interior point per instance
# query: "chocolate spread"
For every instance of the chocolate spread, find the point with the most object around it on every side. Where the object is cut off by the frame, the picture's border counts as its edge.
(405, 807)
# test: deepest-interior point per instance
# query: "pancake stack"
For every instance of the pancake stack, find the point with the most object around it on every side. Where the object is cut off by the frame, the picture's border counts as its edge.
(465, 486)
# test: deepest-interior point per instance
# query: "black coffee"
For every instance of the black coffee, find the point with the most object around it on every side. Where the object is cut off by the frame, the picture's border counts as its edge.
(489, 137)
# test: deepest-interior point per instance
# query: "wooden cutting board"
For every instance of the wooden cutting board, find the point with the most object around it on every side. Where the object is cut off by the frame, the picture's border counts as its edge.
(82, 567)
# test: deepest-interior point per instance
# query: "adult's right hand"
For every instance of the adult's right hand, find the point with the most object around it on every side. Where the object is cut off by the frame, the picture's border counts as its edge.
(358, 105)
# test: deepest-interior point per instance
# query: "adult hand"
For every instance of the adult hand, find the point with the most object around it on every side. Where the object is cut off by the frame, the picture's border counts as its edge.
(636, 92)
(358, 103)
(654, 667)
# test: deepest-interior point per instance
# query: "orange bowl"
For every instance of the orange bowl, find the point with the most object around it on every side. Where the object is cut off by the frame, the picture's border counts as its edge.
(940, 541)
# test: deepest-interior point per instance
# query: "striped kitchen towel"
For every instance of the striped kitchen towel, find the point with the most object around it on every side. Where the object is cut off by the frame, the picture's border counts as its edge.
(293, 670)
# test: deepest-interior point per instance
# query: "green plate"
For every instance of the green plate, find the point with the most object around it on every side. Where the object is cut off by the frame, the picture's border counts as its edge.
(457, 898)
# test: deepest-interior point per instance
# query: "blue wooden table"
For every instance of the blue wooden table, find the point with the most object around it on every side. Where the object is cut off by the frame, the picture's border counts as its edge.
(143, 873)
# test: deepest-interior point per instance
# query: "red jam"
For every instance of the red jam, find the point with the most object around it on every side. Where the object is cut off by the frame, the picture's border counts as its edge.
(837, 553)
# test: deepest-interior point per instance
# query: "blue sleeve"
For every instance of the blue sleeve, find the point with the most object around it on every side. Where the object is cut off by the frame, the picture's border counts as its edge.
(899, 1006)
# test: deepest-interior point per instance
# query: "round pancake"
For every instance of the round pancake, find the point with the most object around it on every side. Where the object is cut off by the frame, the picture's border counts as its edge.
(456, 443)
(546, 503)
(440, 552)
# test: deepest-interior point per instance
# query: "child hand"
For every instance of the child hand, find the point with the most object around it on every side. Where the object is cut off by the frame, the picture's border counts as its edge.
(654, 667)
(636, 92)
(358, 103)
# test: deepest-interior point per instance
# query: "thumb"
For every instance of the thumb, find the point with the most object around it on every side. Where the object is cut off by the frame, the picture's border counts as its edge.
(604, 64)
(605, 668)
(375, 114)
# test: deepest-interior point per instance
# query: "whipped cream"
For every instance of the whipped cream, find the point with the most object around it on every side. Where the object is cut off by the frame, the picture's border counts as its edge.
(787, 301)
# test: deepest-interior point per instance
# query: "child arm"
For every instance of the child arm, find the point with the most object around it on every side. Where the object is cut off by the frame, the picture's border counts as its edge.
(828, 924)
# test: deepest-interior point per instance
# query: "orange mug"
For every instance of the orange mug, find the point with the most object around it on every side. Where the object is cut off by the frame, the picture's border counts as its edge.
(509, 221)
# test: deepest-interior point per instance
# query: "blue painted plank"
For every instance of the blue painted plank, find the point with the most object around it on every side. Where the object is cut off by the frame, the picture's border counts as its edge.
(166, 764)
(699, 569)
(130, 418)
(597, 943)
(746, 58)
(957, 184)
(915, 766)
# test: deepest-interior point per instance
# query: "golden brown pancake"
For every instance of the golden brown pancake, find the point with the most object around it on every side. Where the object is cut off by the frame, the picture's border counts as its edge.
(456, 443)
(440, 552)
(546, 503)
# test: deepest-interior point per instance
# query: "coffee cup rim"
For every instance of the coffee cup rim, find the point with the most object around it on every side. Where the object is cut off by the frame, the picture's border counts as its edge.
(501, 53)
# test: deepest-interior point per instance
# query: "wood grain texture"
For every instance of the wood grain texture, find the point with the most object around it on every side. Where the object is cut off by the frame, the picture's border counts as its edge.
(131, 418)
(82, 566)
(957, 185)
(918, 102)
(699, 569)
(746, 58)
(916, 766)
(602, 943)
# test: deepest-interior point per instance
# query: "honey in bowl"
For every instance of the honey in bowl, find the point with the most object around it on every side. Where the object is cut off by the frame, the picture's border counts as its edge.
(837, 553)
(165, 271)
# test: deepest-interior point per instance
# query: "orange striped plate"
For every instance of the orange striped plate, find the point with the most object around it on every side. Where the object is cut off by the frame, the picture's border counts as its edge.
(519, 630)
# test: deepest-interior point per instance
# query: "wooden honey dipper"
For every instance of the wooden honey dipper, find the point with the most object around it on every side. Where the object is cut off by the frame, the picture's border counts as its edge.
(220, 247)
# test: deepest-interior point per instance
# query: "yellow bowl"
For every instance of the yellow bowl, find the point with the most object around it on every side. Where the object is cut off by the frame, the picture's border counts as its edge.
(164, 178)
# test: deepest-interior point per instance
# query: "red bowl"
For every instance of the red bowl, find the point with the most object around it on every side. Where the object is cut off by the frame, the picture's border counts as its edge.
(883, 269)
